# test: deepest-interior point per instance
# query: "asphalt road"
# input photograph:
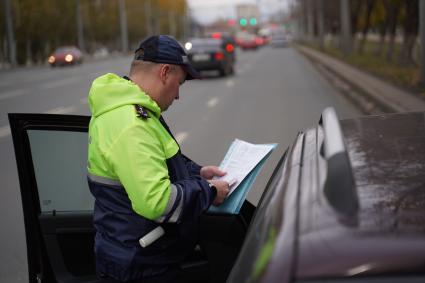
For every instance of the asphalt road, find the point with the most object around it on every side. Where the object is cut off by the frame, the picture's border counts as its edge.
(274, 94)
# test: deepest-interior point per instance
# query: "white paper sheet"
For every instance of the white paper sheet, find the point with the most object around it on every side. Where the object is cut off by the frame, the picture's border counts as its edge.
(241, 159)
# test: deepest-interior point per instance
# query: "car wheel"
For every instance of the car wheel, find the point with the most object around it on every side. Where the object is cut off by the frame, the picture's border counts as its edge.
(231, 70)
(222, 72)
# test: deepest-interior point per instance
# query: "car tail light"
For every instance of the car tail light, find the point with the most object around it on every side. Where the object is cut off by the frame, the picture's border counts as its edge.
(216, 35)
(218, 56)
(230, 48)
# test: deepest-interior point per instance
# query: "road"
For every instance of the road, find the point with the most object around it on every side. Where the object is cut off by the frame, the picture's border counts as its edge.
(274, 94)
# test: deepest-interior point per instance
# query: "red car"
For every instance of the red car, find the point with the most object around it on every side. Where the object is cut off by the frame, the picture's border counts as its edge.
(247, 41)
(67, 55)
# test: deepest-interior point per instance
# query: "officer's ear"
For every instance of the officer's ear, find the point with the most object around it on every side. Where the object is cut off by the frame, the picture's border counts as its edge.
(164, 72)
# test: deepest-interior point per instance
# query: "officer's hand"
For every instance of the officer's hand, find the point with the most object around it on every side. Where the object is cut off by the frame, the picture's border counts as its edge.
(209, 172)
(222, 191)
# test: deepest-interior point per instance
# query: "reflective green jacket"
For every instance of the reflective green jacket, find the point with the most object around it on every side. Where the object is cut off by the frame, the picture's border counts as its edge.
(125, 148)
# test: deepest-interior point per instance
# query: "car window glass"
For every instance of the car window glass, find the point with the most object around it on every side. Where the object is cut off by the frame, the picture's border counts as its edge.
(60, 167)
(254, 256)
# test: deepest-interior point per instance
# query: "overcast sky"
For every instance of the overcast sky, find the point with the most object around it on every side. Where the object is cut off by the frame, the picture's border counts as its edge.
(207, 11)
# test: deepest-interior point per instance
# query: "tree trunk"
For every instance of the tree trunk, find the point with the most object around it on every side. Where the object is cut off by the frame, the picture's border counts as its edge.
(355, 8)
(411, 26)
(369, 8)
(392, 12)
(382, 31)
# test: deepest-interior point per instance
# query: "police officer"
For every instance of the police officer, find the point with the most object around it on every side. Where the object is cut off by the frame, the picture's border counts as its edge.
(143, 185)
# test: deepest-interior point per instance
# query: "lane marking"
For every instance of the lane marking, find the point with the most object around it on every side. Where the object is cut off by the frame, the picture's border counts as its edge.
(4, 131)
(13, 93)
(212, 102)
(59, 83)
(180, 137)
(61, 110)
(230, 83)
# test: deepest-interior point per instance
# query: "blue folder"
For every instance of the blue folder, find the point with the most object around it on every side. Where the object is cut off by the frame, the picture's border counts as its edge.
(233, 203)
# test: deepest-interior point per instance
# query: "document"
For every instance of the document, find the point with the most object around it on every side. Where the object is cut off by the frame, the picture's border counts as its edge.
(241, 158)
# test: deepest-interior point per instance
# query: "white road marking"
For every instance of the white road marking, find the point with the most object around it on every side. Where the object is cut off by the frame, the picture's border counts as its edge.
(59, 83)
(230, 83)
(212, 102)
(243, 69)
(61, 110)
(4, 131)
(180, 137)
(13, 93)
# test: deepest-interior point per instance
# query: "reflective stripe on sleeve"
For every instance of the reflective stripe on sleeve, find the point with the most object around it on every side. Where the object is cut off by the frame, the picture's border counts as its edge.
(176, 194)
(179, 208)
(104, 180)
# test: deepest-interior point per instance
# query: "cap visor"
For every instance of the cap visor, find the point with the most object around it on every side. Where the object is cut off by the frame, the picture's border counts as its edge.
(191, 72)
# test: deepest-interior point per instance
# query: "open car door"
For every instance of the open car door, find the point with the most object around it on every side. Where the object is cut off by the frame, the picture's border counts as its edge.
(51, 156)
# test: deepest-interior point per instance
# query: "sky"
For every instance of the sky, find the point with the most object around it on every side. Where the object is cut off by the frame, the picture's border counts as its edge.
(207, 11)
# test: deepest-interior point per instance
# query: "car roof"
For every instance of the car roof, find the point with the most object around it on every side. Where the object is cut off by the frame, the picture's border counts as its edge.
(387, 233)
(206, 41)
(66, 49)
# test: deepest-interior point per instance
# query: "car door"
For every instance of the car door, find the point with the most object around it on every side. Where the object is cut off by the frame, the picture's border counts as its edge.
(51, 152)
(51, 156)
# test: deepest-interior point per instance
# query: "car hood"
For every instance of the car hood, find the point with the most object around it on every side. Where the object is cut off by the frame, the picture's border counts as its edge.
(387, 154)
(111, 91)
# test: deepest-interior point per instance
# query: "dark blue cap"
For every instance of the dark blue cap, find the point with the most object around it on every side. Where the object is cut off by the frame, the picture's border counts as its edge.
(165, 49)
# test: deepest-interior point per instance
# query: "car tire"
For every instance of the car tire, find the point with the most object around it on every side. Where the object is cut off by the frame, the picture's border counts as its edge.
(222, 72)
(232, 70)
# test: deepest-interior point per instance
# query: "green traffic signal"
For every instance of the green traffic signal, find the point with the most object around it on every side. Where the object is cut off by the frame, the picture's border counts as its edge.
(253, 21)
(243, 22)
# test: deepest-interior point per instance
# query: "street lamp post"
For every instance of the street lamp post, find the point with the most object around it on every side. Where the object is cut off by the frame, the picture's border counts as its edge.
(80, 30)
(123, 25)
(9, 33)
(345, 27)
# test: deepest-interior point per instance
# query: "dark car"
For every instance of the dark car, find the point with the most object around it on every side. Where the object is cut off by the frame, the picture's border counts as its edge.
(346, 203)
(65, 56)
(212, 54)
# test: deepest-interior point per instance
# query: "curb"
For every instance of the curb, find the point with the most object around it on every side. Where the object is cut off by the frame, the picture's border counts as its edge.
(386, 97)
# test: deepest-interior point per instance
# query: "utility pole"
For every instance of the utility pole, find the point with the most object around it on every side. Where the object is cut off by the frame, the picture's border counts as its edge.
(310, 20)
(171, 24)
(156, 16)
(321, 24)
(186, 21)
(80, 30)
(345, 27)
(123, 26)
(11, 52)
(148, 17)
(422, 39)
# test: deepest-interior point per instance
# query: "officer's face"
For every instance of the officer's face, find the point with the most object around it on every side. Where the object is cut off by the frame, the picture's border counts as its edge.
(175, 78)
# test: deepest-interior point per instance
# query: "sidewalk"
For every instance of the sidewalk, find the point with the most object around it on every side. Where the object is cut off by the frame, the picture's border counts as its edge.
(388, 97)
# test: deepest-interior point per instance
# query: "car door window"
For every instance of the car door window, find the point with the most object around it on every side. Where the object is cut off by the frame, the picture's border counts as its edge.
(60, 159)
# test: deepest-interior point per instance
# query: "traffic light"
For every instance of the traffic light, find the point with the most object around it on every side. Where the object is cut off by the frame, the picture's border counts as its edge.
(231, 22)
(253, 21)
(243, 22)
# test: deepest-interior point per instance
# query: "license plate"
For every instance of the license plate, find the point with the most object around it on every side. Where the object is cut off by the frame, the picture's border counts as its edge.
(200, 57)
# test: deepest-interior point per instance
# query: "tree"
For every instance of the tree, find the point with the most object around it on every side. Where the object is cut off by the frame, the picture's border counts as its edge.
(393, 11)
(368, 7)
(410, 31)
